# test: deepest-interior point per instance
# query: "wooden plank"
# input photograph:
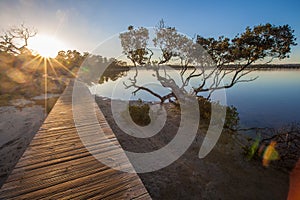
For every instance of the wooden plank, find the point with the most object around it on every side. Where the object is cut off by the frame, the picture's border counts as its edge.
(57, 165)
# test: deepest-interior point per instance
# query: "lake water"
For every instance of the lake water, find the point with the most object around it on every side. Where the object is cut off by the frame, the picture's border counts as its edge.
(272, 100)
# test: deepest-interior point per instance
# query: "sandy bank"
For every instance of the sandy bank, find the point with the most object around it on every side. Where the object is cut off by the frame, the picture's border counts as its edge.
(223, 174)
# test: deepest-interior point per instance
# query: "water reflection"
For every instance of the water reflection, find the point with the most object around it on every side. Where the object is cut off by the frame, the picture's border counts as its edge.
(263, 139)
(114, 71)
(270, 101)
(150, 80)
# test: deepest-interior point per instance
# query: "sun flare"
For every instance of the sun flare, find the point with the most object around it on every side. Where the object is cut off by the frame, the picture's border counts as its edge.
(46, 46)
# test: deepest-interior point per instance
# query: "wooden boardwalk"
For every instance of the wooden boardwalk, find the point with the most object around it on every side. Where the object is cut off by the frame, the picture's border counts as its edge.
(56, 165)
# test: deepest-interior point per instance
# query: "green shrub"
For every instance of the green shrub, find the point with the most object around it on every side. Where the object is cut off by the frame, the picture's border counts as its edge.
(139, 113)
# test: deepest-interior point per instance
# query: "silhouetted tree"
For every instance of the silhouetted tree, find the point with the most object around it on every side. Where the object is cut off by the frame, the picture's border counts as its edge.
(134, 43)
(221, 63)
(15, 39)
(262, 42)
(71, 59)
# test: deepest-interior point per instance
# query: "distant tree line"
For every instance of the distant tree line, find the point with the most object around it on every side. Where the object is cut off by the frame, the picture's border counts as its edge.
(221, 60)
(24, 74)
(20, 69)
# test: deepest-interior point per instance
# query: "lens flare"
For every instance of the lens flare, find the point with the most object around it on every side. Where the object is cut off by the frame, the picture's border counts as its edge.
(270, 154)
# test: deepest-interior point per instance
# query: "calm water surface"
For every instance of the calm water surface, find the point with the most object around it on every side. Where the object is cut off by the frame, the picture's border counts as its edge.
(272, 100)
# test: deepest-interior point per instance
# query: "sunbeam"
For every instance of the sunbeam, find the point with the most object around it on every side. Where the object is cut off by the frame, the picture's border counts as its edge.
(46, 77)
(51, 65)
(64, 67)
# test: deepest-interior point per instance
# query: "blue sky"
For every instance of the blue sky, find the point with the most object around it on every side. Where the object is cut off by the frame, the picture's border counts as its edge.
(83, 24)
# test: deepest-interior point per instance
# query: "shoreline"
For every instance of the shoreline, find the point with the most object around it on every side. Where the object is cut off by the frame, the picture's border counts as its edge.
(223, 174)
(20, 119)
(231, 66)
(17, 128)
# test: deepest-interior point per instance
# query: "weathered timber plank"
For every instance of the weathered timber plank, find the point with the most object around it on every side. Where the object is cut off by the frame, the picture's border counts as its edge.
(57, 165)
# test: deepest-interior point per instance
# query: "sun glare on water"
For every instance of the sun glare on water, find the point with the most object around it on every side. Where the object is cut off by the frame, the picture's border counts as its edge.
(46, 46)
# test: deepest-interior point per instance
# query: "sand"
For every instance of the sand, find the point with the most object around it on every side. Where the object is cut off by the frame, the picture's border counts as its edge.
(18, 124)
(224, 174)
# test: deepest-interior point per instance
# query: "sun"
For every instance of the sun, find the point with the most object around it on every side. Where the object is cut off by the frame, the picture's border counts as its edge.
(46, 46)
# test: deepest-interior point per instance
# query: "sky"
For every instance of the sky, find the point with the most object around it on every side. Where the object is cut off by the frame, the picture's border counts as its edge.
(82, 25)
